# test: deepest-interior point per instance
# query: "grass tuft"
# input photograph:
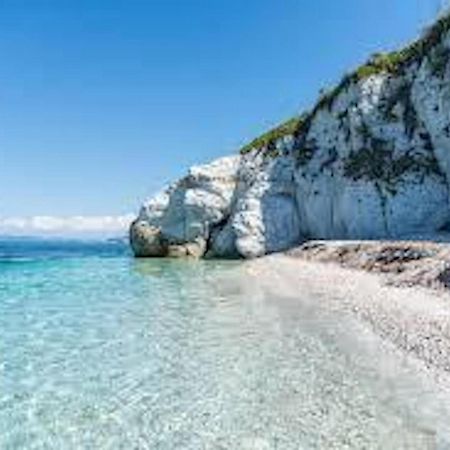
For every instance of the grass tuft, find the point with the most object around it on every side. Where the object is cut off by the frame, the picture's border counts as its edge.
(268, 140)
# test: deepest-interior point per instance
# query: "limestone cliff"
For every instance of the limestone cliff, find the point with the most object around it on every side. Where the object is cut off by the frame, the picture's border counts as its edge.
(371, 160)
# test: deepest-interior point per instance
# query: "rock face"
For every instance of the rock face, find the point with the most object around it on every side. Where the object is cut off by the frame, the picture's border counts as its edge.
(370, 161)
(181, 220)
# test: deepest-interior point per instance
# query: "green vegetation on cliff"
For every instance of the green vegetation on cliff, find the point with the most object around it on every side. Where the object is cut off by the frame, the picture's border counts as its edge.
(393, 63)
(268, 140)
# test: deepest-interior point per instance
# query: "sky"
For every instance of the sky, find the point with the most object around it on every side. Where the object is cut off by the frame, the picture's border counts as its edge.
(103, 102)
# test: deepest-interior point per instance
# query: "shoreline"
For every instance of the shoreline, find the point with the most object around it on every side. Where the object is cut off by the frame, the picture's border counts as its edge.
(395, 294)
(402, 263)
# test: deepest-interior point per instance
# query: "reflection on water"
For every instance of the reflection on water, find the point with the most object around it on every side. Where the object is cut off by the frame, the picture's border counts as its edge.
(117, 353)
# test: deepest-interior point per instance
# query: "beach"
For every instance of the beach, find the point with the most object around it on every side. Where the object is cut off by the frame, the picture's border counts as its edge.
(103, 351)
(401, 299)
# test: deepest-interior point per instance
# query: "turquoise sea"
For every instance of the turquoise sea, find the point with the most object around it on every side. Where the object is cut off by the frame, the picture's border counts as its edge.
(101, 351)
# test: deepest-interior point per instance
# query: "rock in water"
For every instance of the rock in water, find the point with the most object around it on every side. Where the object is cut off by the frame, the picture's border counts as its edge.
(371, 160)
(146, 240)
(180, 220)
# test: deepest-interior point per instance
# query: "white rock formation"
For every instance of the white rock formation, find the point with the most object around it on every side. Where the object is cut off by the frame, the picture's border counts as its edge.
(372, 160)
(179, 221)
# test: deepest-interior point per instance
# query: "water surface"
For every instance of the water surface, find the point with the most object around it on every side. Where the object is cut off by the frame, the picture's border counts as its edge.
(98, 350)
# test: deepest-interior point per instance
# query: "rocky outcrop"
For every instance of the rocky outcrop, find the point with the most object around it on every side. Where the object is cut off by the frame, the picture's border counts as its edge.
(402, 263)
(183, 219)
(370, 161)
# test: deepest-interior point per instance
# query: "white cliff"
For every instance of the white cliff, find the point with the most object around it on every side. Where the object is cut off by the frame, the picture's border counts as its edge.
(371, 160)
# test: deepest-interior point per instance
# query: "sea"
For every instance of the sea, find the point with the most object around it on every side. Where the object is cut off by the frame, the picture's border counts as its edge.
(99, 350)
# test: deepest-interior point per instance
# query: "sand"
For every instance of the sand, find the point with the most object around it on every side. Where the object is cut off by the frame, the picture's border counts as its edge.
(414, 319)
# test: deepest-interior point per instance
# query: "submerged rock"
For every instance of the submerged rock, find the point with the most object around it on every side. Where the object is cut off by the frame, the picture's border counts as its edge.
(370, 161)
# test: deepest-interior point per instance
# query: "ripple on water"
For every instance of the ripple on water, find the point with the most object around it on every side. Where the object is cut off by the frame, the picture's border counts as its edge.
(114, 353)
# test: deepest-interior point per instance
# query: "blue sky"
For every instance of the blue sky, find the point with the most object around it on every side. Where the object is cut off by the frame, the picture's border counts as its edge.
(103, 102)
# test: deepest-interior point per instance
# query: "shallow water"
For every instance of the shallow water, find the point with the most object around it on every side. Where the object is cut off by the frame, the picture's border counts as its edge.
(98, 350)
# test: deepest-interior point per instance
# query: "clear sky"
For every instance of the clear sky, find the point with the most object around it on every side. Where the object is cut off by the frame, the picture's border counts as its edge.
(104, 101)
